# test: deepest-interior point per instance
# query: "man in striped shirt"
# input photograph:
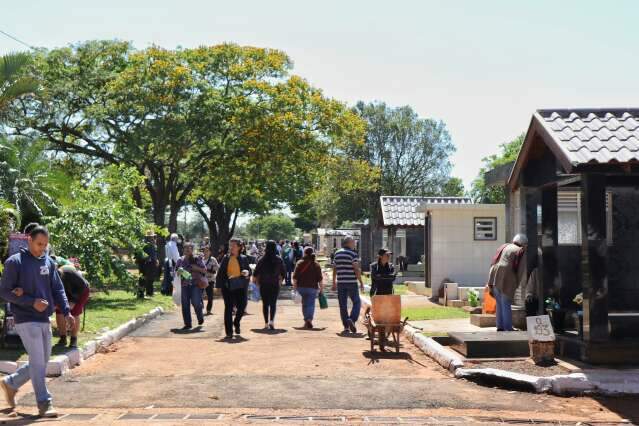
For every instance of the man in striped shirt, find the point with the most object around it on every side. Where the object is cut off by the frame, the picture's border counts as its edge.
(346, 275)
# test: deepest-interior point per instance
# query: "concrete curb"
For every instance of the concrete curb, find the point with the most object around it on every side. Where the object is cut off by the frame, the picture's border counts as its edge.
(442, 355)
(60, 364)
(602, 382)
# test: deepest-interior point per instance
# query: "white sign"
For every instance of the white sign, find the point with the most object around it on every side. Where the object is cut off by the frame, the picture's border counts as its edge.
(540, 329)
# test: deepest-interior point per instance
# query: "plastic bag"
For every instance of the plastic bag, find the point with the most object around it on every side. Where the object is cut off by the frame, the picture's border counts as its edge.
(254, 292)
(297, 298)
(489, 305)
(177, 290)
(323, 301)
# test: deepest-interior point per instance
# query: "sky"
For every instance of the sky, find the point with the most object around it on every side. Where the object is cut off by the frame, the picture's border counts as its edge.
(483, 67)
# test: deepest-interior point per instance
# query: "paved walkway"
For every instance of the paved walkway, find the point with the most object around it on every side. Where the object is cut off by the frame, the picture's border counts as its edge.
(160, 372)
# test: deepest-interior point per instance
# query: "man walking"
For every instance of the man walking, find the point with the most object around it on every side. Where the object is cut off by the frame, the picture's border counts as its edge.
(346, 275)
(32, 285)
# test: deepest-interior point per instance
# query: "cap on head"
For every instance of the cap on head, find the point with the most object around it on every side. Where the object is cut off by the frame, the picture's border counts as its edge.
(384, 251)
(520, 240)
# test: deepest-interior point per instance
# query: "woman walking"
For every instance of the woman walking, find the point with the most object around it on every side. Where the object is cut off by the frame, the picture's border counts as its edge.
(233, 277)
(269, 275)
(308, 281)
(382, 274)
(211, 269)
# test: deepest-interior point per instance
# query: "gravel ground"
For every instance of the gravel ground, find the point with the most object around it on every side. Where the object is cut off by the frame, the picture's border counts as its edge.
(523, 366)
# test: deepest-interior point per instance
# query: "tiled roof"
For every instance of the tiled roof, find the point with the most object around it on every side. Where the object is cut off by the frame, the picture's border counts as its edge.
(594, 135)
(402, 211)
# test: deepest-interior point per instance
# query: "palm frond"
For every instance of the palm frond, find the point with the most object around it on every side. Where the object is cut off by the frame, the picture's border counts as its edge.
(18, 88)
(10, 65)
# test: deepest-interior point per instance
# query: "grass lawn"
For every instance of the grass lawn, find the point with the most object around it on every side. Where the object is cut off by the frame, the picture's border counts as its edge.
(433, 313)
(400, 289)
(103, 310)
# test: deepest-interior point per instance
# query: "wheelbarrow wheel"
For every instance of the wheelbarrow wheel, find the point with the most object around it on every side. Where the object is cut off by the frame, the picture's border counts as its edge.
(371, 336)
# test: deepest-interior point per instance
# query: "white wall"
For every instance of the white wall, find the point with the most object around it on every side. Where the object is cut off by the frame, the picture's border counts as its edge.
(454, 252)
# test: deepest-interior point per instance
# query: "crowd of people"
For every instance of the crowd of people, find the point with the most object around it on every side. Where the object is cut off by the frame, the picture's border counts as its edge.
(266, 267)
(38, 284)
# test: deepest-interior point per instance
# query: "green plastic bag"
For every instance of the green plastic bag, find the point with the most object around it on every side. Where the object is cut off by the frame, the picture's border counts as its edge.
(323, 301)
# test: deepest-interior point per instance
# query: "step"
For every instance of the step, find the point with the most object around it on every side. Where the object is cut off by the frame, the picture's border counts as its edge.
(491, 344)
(483, 320)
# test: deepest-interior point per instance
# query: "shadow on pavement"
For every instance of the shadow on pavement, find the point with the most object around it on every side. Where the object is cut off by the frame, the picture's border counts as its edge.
(376, 356)
(197, 329)
(351, 335)
(267, 331)
(309, 329)
(624, 406)
(232, 340)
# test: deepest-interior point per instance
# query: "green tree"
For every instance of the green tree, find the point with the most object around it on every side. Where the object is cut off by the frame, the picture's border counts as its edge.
(13, 84)
(9, 222)
(453, 188)
(28, 178)
(410, 154)
(272, 227)
(107, 103)
(480, 192)
(274, 133)
(102, 222)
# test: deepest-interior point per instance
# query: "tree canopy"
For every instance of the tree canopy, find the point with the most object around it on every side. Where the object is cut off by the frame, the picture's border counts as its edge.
(480, 192)
(224, 127)
(272, 227)
(404, 155)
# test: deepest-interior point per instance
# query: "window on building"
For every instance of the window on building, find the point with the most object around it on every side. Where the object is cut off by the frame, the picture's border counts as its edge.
(569, 217)
(485, 228)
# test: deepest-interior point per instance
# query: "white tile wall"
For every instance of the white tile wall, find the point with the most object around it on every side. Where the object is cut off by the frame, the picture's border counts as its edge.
(455, 254)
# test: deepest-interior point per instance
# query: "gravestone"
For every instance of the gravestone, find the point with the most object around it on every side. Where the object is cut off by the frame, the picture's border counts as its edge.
(490, 344)
(541, 339)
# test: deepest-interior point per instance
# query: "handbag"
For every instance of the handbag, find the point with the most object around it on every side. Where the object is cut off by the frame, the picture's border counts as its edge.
(323, 301)
(237, 283)
(202, 283)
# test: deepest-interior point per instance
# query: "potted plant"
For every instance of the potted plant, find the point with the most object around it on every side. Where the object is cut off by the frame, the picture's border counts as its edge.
(557, 315)
(473, 298)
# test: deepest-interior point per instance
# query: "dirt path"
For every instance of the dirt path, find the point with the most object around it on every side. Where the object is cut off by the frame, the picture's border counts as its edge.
(292, 372)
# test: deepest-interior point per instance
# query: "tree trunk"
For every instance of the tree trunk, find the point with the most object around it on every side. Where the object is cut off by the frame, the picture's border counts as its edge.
(220, 219)
(173, 217)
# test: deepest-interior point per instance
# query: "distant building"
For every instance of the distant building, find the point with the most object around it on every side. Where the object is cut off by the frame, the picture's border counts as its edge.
(449, 237)
(325, 240)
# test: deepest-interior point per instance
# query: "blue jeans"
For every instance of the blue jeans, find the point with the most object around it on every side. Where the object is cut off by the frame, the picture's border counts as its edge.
(36, 338)
(191, 295)
(504, 312)
(308, 302)
(344, 292)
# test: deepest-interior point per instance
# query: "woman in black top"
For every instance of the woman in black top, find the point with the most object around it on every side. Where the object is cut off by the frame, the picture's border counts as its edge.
(233, 278)
(382, 274)
(269, 274)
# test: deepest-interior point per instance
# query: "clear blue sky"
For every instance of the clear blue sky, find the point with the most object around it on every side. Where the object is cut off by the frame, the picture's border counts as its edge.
(481, 66)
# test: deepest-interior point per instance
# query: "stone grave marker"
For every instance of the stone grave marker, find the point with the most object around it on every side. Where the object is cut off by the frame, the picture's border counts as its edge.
(541, 339)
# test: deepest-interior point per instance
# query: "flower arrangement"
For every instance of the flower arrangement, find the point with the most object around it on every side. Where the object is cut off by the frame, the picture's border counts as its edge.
(579, 299)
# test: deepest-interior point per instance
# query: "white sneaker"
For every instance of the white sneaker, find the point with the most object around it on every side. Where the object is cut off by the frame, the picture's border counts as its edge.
(46, 410)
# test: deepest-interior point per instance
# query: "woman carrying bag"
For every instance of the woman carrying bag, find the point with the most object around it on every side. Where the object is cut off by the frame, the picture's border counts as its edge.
(308, 282)
(233, 277)
(269, 274)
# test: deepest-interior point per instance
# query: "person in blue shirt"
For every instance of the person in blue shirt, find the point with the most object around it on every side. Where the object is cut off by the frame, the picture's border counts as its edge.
(33, 287)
